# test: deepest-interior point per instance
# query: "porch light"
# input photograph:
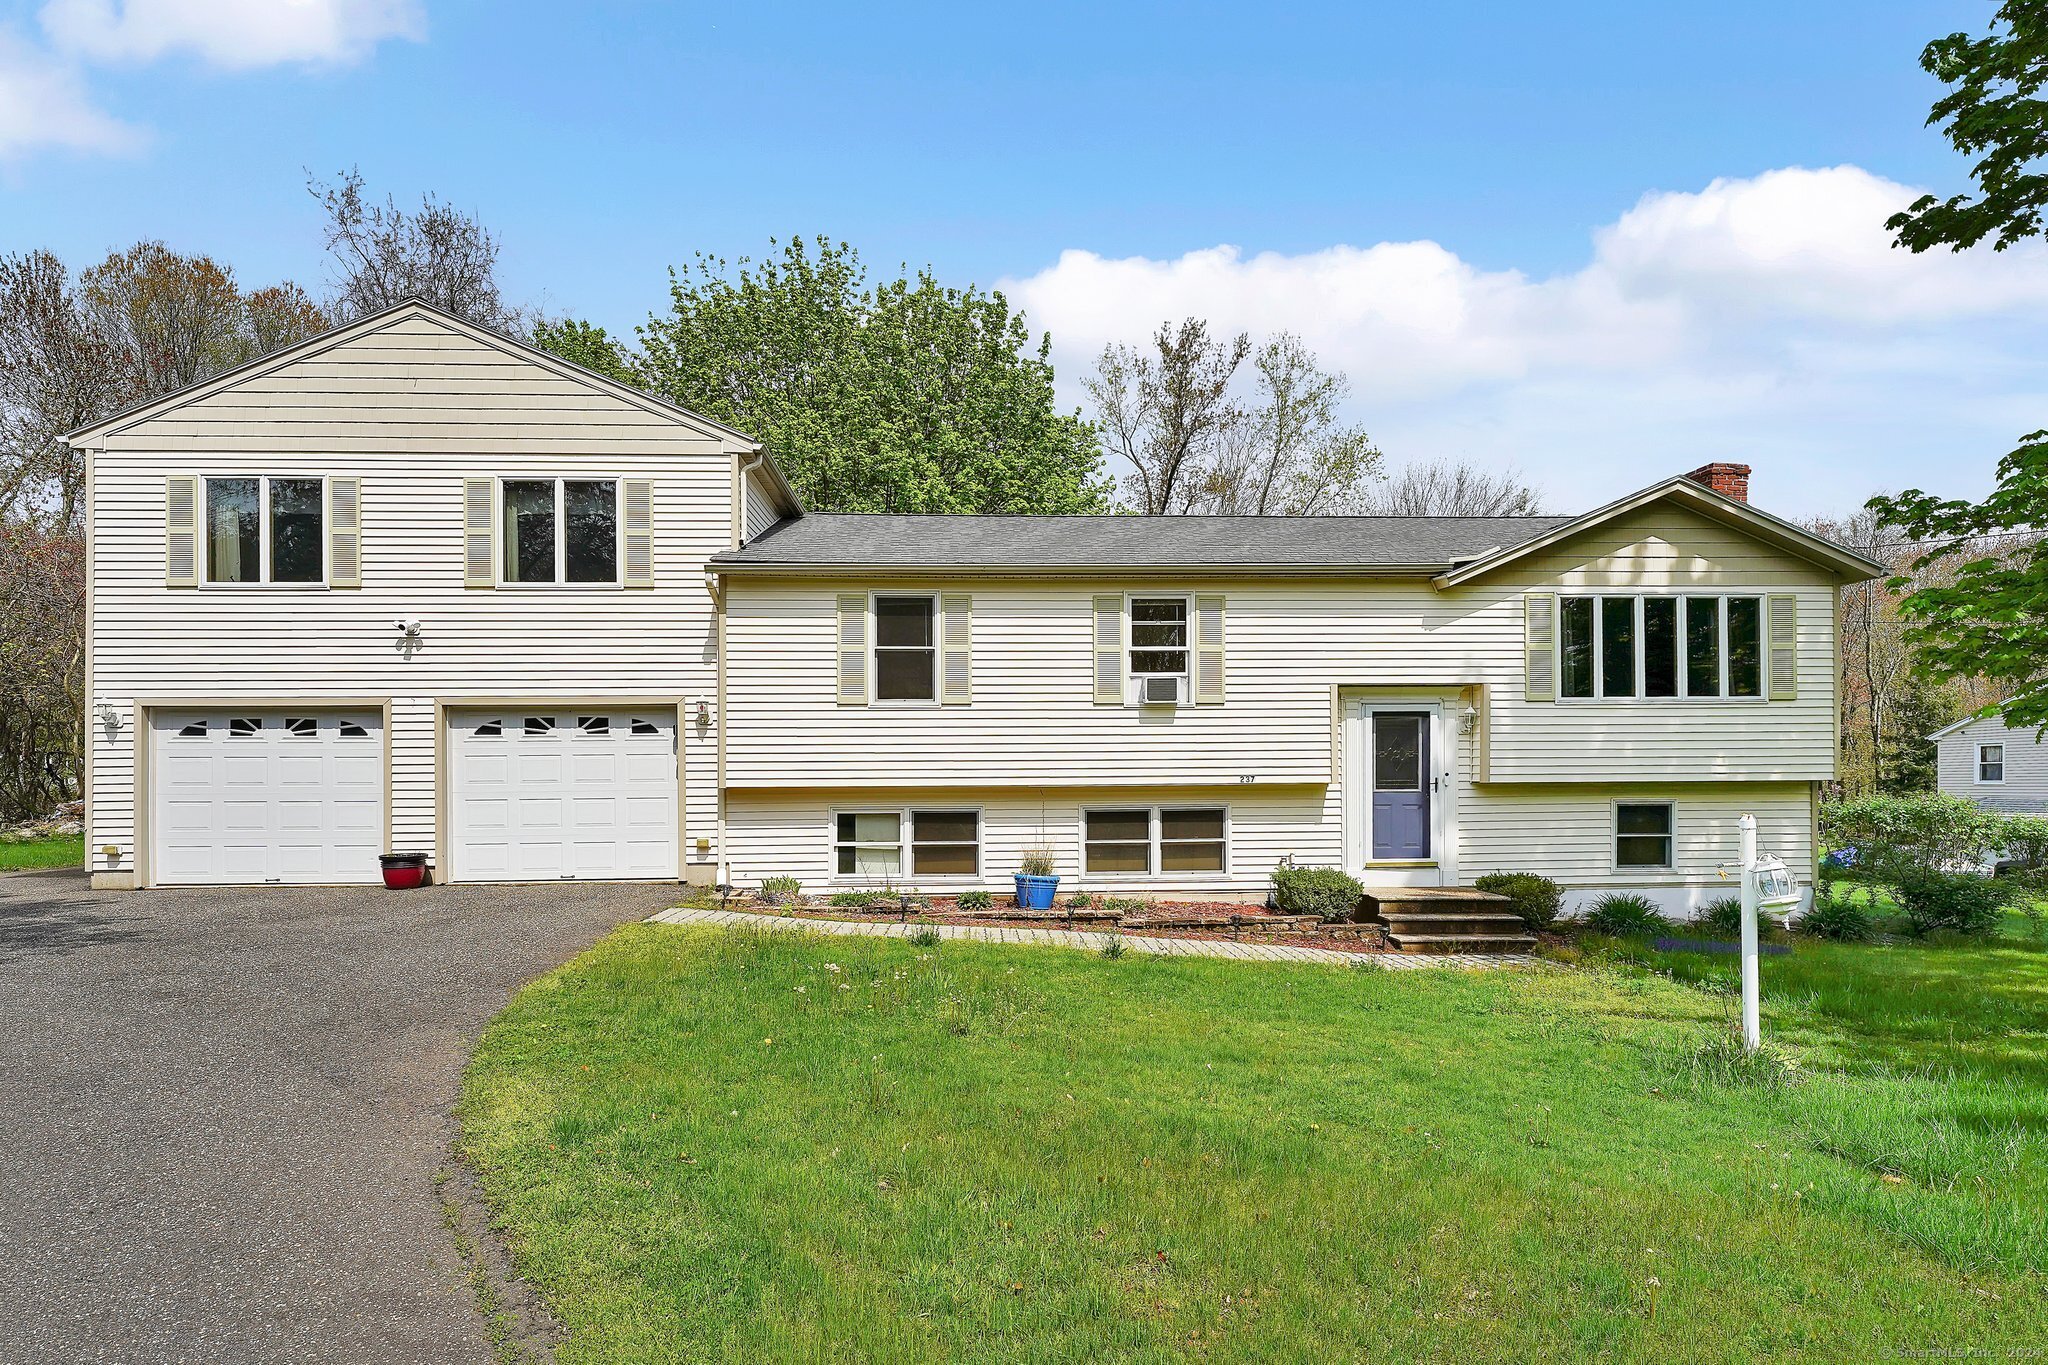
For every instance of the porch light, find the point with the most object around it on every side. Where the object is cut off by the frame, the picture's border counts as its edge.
(1468, 719)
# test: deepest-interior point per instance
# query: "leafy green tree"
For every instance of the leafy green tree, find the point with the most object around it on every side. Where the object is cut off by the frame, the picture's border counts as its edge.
(1991, 619)
(1993, 112)
(904, 396)
(587, 345)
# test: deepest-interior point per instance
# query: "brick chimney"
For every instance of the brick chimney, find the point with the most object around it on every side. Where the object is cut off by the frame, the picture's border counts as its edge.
(1729, 480)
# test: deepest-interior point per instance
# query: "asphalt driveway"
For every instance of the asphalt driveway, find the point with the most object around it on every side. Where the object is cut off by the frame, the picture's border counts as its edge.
(221, 1111)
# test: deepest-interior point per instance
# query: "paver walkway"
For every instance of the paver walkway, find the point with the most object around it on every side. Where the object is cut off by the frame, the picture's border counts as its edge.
(1095, 939)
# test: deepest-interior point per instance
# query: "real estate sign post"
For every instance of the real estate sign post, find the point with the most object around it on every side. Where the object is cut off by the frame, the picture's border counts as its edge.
(1752, 1024)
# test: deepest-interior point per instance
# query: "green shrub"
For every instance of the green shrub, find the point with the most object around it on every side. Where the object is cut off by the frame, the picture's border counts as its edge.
(1907, 836)
(1844, 920)
(1113, 948)
(1538, 900)
(1325, 892)
(1081, 901)
(1624, 914)
(855, 900)
(781, 890)
(1956, 902)
(1125, 905)
(1721, 919)
(973, 900)
(2026, 841)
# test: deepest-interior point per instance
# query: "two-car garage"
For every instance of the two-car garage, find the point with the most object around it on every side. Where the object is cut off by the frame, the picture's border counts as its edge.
(258, 794)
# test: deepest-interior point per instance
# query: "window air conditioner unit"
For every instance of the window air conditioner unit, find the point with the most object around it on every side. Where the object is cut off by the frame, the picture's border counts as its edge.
(1160, 690)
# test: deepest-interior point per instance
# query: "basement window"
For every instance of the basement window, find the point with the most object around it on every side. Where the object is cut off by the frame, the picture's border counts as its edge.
(883, 844)
(1154, 839)
(1643, 834)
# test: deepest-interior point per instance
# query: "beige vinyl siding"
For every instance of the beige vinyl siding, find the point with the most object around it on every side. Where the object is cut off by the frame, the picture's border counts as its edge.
(411, 410)
(1665, 548)
(2026, 766)
(1566, 833)
(1034, 719)
(757, 506)
(791, 833)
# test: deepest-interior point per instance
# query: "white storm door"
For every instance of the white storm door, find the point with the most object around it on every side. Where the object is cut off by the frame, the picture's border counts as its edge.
(547, 794)
(255, 797)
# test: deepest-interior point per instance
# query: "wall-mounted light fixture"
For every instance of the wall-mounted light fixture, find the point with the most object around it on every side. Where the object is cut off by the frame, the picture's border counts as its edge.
(110, 718)
(1468, 720)
(408, 635)
(703, 714)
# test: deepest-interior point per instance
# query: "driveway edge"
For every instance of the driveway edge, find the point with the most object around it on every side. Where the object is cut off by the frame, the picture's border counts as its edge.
(521, 1328)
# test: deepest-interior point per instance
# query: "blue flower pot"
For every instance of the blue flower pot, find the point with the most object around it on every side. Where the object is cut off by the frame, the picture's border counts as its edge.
(1035, 893)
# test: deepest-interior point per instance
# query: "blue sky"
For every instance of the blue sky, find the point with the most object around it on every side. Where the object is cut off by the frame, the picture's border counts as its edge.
(1592, 241)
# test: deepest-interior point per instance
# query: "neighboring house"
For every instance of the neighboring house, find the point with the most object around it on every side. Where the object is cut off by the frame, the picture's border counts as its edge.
(414, 585)
(1993, 764)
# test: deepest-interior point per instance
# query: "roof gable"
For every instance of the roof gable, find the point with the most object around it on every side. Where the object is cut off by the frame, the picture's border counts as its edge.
(1997, 725)
(413, 318)
(1781, 535)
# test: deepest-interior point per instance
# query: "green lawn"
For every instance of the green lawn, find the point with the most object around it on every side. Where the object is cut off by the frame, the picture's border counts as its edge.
(712, 1146)
(66, 851)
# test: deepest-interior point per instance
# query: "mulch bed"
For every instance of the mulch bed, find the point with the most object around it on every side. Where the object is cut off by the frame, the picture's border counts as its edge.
(1224, 921)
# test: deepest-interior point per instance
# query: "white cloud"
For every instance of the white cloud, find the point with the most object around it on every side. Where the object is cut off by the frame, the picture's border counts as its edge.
(44, 100)
(43, 103)
(233, 34)
(1766, 318)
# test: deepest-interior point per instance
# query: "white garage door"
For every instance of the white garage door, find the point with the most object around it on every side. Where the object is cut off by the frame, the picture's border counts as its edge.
(267, 796)
(544, 794)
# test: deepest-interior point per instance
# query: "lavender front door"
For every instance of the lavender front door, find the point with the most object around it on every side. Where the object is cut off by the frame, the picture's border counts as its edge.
(1399, 761)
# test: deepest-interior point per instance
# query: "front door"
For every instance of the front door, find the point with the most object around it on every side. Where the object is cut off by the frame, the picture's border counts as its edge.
(1400, 773)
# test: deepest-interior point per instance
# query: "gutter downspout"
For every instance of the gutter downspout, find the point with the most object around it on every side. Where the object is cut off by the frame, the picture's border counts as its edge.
(716, 588)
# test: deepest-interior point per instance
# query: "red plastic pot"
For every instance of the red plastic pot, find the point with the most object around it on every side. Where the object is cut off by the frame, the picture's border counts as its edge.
(403, 871)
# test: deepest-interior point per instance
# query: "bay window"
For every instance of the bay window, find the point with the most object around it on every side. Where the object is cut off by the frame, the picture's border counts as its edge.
(1653, 646)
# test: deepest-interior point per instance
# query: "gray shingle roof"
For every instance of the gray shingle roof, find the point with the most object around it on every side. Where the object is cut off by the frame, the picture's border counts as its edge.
(826, 540)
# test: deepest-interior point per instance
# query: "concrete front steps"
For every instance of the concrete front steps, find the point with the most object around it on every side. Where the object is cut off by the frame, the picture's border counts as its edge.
(1447, 919)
